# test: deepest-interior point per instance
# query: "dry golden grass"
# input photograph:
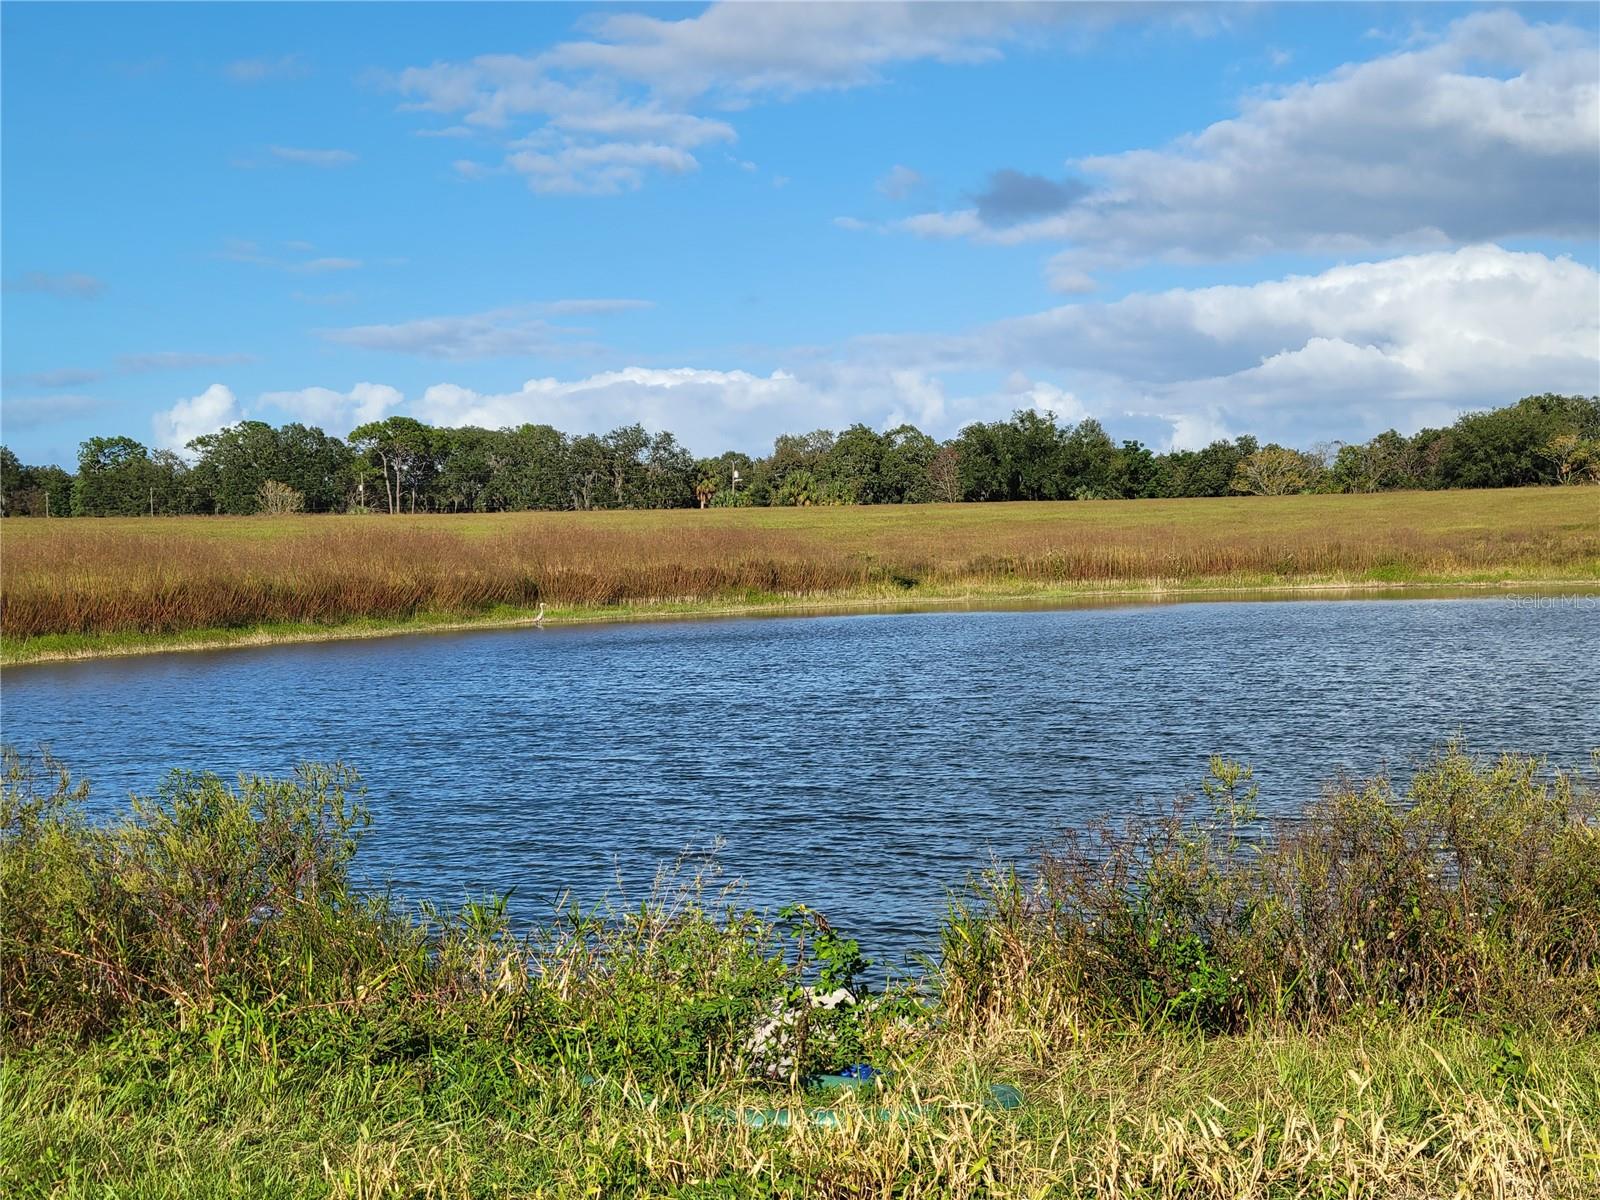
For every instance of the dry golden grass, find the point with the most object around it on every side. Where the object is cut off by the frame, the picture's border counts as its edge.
(164, 576)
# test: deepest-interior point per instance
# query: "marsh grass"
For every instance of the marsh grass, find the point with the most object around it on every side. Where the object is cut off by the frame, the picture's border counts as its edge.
(199, 1004)
(162, 577)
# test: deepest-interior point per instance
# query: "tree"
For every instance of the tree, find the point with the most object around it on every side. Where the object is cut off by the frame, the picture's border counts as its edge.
(403, 450)
(588, 464)
(669, 474)
(980, 461)
(799, 489)
(1576, 459)
(316, 465)
(908, 456)
(944, 474)
(12, 481)
(232, 464)
(115, 478)
(529, 467)
(1031, 454)
(851, 470)
(1134, 471)
(467, 461)
(1274, 470)
(279, 499)
(793, 452)
(1507, 447)
(33, 491)
(1088, 459)
(625, 448)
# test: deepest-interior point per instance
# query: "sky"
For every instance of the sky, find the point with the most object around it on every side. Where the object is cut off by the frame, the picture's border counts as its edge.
(1308, 222)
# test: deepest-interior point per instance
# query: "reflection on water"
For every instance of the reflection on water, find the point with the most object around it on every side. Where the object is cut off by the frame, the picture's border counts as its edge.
(864, 764)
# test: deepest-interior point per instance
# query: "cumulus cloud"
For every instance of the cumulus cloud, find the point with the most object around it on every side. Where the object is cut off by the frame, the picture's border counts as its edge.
(608, 112)
(501, 332)
(1013, 196)
(708, 409)
(1346, 352)
(336, 412)
(603, 169)
(1490, 131)
(313, 158)
(71, 284)
(186, 420)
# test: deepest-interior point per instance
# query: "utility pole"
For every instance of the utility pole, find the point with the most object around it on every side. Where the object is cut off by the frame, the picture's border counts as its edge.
(152, 502)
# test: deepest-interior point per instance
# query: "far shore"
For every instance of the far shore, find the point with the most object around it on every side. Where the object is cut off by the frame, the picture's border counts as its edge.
(70, 648)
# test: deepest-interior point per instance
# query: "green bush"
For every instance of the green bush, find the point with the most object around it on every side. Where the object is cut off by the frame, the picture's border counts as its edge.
(213, 909)
(1475, 893)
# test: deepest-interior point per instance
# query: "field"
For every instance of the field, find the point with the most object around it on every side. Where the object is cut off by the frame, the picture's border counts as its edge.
(85, 587)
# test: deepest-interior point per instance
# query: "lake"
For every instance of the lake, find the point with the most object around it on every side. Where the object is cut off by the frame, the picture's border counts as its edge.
(864, 764)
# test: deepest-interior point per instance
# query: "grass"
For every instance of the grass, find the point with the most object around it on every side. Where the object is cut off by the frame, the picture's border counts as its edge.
(85, 587)
(197, 1005)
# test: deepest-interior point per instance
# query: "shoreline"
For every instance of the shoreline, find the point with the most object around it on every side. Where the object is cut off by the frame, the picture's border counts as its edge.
(971, 598)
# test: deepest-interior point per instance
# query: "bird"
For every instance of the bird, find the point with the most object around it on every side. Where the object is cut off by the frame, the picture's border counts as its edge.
(539, 617)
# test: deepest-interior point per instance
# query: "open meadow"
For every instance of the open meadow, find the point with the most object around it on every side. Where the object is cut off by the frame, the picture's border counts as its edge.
(85, 587)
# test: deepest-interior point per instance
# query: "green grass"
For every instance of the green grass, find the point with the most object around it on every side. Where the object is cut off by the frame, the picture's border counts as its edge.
(1395, 1110)
(198, 1005)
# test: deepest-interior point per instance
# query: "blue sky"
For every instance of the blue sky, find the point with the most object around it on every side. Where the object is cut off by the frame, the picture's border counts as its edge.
(1308, 221)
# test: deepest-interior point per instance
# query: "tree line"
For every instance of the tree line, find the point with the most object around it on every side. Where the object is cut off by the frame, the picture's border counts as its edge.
(402, 465)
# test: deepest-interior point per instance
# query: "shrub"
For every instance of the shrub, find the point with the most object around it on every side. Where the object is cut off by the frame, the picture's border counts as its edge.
(210, 900)
(277, 499)
(1476, 893)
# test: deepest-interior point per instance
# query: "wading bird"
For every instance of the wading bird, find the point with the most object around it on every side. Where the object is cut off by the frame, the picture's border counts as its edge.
(539, 616)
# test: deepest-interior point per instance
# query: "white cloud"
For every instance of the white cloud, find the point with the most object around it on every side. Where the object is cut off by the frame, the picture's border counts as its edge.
(608, 112)
(901, 182)
(1347, 352)
(519, 330)
(260, 70)
(1490, 131)
(61, 377)
(321, 266)
(336, 412)
(177, 360)
(314, 158)
(245, 251)
(1344, 353)
(72, 284)
(186, 420)
(709, 410)
(601, 170)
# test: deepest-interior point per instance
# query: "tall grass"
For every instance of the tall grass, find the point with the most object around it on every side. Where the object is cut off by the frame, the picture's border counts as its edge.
(166, 576)
(198, 1004)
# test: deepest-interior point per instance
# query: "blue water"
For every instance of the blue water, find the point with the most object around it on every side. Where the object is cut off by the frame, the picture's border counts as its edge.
(864, 764)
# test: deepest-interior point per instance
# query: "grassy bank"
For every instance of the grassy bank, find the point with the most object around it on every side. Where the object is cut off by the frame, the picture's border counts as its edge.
(80, 588)
(1396, 998)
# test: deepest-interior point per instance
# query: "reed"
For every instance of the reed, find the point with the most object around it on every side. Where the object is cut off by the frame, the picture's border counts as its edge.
(162, 577)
